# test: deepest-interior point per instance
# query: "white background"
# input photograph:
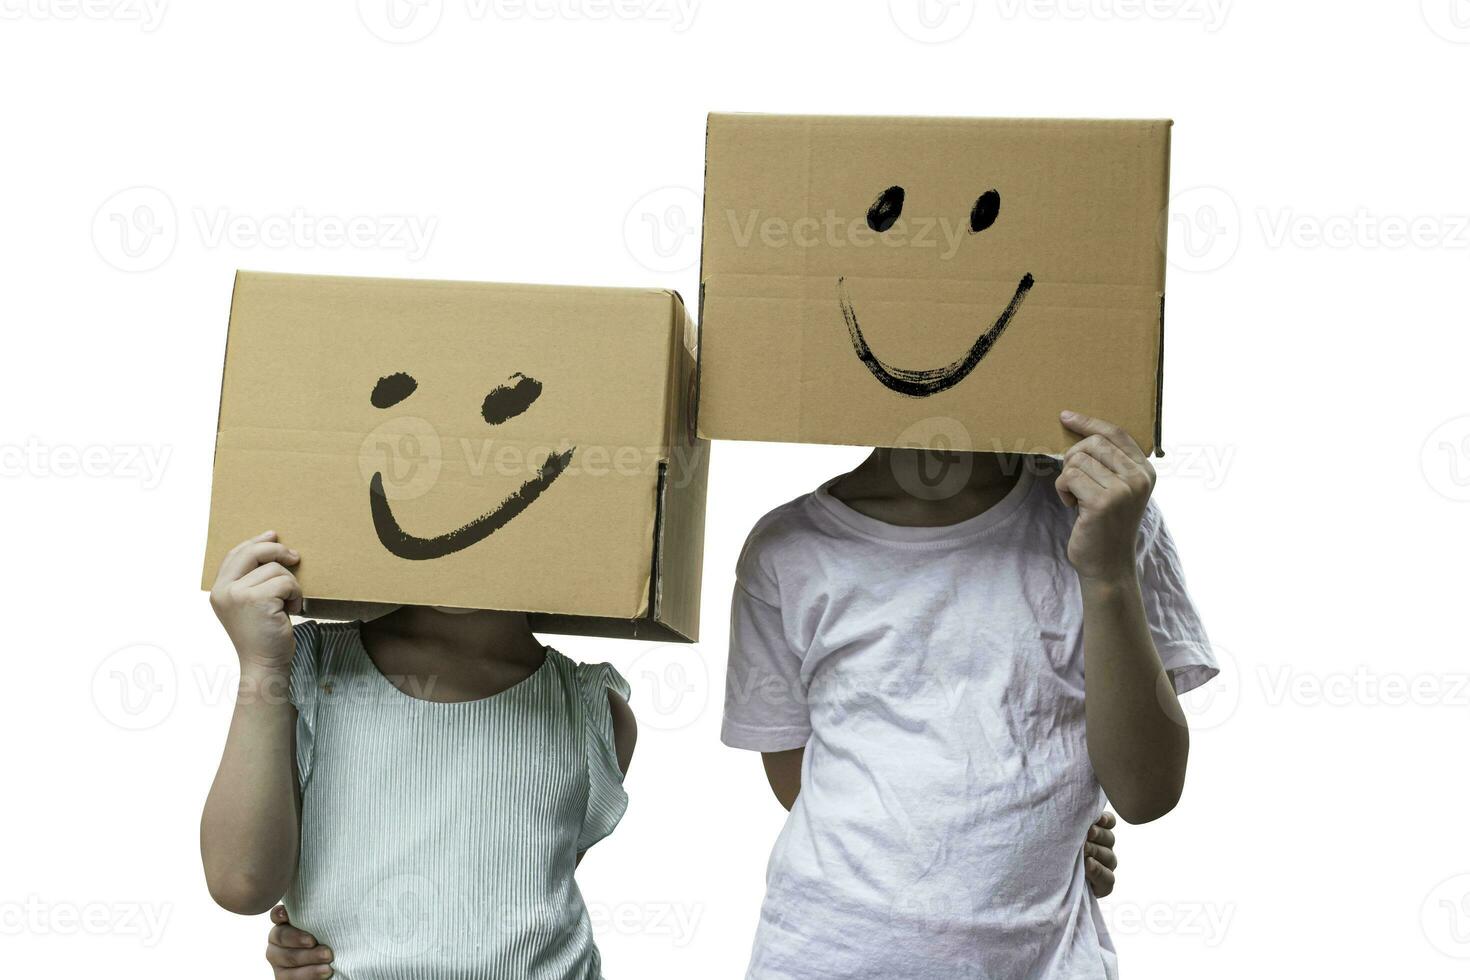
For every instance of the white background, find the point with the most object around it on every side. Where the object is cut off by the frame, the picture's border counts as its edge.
(1318, 482)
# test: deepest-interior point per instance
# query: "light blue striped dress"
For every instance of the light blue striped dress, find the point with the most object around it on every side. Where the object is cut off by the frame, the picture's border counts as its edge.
(439, 840)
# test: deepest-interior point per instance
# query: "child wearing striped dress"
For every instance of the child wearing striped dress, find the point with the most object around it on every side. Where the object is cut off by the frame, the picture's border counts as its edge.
(420, 787)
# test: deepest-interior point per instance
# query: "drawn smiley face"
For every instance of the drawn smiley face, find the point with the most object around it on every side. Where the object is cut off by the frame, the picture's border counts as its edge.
(923, 382)
(502, 404)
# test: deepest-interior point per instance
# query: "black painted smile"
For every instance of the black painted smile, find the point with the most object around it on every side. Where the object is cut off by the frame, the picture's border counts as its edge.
(931, 381)
(405, 545)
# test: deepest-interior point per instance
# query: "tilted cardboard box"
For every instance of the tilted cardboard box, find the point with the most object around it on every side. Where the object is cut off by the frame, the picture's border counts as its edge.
(470, 445)
(926, 282)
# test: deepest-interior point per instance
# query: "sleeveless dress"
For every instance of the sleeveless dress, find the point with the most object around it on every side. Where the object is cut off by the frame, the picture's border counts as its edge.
(440, 840)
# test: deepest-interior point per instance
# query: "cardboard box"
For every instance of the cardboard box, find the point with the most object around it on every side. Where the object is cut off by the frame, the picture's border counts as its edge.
(926, 282)
(469, 445)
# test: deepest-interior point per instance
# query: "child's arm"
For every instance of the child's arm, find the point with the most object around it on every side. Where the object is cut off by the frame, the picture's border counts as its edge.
(783, 772)
(625, 730)
(251, 826)
(625, 738)
(1137, 736)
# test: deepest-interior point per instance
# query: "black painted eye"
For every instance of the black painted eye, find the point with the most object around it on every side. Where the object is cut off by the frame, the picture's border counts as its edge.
(886, 210)
(987, 209)
(393, 389)
(511, 399)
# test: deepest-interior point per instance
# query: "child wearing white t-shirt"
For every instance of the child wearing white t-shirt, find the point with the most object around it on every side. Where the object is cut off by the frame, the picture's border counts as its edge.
(912, 660)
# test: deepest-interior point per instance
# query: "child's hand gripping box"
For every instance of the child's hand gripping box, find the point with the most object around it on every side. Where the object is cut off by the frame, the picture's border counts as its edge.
(932, 283)
(470, 445)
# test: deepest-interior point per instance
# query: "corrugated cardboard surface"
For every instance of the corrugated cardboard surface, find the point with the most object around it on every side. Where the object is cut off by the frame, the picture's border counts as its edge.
(300, 441)
(786, 202)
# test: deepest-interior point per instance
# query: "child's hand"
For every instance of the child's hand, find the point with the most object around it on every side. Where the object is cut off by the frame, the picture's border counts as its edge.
(1109, 480)
(1100, 861)
(253, 597)
(293, 954)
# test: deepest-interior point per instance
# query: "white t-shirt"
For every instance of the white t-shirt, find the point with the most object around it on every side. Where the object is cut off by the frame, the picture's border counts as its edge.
(935, 677)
